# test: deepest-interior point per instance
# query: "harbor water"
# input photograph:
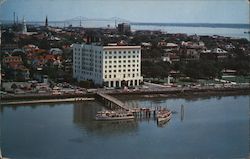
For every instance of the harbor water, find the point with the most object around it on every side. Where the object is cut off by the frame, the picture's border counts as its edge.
(207, 127)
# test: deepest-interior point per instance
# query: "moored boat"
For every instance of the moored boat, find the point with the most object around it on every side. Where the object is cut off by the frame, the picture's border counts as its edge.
(163, 116)
(112, 115)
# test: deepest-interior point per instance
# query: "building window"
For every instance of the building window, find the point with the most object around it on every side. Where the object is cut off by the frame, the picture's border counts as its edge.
(109, 76)
(128, 56)
(105, 76)
(124, 61)
(114, 70)
(119, 70)
(114, 76)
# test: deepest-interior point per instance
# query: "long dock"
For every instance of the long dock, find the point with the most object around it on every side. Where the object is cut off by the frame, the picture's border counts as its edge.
(115, 104)
(112, 102)
(46, 101)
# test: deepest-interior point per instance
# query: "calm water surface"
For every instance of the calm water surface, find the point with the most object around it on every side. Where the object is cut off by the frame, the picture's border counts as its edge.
(216, 127)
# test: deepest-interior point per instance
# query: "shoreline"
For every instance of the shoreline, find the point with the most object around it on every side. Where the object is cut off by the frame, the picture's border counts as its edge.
(169, 93)
(47, 101)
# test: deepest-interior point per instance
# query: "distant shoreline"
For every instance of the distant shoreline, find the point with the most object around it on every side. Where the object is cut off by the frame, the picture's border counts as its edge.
(205, 25)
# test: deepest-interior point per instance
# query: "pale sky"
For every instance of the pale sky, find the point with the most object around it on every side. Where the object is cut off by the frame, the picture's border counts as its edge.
(163, 11)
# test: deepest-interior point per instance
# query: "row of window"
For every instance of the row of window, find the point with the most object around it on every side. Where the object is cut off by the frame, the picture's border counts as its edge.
(119, 52)
(120, 61)
(124, 75)
(87, 50)
(110, 71)
(119, 57)
(119, 66)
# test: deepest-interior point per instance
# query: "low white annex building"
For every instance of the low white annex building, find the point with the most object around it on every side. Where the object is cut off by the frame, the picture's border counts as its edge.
(111, 66)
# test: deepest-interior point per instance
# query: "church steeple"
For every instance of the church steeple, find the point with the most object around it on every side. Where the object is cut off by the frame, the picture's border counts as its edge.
(46, 22)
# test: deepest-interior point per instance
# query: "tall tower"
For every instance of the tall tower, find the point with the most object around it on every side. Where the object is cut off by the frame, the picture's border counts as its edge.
(46, 22)
(24, 27)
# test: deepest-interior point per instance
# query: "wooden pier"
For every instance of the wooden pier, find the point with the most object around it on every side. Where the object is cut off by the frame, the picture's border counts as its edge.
(114, 104)
(111, 102)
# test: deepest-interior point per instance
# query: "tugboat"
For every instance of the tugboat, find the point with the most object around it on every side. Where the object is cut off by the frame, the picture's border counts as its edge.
(112, 115)
(163, 116)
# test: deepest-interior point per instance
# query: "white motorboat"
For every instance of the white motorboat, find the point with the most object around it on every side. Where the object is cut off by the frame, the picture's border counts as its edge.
(164, 116)
(112, 115)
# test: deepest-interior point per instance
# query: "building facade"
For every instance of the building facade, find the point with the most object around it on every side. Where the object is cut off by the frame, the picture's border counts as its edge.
(124, 28)
(111, 66)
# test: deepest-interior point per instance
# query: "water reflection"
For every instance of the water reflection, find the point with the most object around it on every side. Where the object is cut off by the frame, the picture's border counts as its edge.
(84, 118)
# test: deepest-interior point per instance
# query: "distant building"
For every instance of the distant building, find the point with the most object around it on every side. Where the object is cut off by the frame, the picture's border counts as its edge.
(24, 27)
(8, 47)
(111, 66)
(124, 28)
(215, 54)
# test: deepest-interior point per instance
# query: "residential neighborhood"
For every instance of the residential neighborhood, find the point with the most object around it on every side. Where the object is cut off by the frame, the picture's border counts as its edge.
(29, 53)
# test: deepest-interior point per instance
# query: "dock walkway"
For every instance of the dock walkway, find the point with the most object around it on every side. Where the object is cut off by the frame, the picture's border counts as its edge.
(113, 100)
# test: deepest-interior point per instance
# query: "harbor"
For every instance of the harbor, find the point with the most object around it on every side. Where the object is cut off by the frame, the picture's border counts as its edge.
(72, 126)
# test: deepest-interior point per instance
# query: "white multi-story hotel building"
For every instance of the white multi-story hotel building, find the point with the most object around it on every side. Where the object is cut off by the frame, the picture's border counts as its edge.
(111, 66)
